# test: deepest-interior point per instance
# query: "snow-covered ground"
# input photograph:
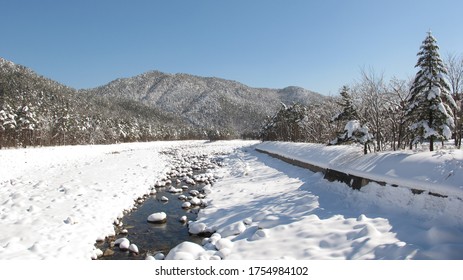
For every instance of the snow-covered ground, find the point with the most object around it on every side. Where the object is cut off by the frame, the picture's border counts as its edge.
(272, 210)
(56, 201)
(440, 171)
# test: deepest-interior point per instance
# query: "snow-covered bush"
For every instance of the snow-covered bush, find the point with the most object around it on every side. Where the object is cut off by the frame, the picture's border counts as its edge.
(354, 132)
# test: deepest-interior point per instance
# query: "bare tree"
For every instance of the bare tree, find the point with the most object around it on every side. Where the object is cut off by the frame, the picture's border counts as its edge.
(395, 112)
(454, 65)
(372, 91)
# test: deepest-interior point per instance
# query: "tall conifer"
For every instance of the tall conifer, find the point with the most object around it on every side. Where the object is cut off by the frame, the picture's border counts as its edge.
(430, 103)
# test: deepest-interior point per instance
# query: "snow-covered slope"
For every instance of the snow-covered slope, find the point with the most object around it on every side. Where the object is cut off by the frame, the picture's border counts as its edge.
(438, 172)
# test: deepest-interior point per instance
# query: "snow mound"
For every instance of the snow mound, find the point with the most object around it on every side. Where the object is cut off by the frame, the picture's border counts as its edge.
(232, 229)
(259, 234)
(224, 243)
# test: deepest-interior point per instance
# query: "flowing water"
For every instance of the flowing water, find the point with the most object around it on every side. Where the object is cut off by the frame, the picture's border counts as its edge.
(154, 238)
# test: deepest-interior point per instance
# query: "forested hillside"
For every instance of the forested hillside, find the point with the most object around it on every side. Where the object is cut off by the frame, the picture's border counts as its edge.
(36, 111)
(207, 103)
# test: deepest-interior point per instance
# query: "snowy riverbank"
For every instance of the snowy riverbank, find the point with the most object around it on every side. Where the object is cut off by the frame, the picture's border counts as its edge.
(273, 210)
(56, 201)
(440, 171)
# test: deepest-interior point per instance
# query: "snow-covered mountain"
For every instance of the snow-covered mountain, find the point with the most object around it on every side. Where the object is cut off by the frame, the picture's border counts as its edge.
(35, 110)
(206, 102)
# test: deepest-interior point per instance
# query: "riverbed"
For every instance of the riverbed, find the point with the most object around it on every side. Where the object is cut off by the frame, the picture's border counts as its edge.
(184, 182)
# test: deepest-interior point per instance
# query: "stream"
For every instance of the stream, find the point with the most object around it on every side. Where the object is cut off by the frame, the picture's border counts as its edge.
(189, 176)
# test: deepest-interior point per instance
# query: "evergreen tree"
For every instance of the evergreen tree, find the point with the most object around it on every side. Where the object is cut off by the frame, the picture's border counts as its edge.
(354, 132)
(430, 104)
(348, 110)
(26, 124)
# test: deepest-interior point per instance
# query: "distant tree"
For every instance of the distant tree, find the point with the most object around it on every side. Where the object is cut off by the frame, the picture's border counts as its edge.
(290, 123)
(454, 65)
(353, 131)
(373, 95)
(396, 112)
(7, 126)
(430, 106)
(317, 125)
(60, 126)
(347, 104)
(26, 124)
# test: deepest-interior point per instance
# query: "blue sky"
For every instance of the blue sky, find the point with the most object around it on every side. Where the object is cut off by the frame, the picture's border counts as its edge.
(318, 45)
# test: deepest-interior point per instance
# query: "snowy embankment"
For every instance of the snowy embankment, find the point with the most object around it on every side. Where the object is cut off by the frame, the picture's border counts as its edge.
(437, 172)
(268, 209)
(55, 202)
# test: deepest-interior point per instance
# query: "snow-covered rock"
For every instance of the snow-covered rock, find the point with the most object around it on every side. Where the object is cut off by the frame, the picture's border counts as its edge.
(190, 181)
(173, 189)
(186, 205)
(160, 184)
(185, 251)
(195, 201)
(133, 248)
(159, 256)
(157, 218)
(197, 228)
(97, 253)
(164, 199)
(119, 241)
(194, 192)
(124, 245)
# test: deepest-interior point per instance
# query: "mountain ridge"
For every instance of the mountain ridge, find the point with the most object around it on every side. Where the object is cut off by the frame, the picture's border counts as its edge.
(207, 102)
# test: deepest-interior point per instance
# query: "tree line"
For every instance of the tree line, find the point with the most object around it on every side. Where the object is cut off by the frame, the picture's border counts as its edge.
(380, 114)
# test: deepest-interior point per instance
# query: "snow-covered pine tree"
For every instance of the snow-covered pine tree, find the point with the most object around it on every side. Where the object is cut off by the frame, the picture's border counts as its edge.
(26, 124)
(353, 131)
(430, 104)
(348, 110)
